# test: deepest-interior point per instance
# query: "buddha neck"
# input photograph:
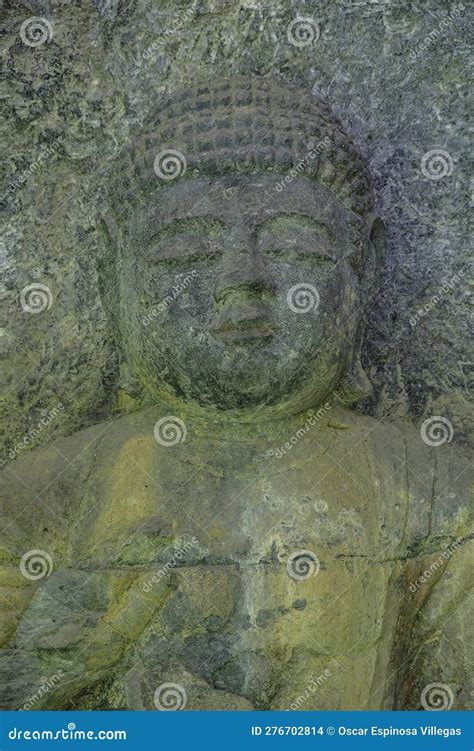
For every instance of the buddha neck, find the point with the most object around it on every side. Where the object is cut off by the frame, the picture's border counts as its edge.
(259, 428)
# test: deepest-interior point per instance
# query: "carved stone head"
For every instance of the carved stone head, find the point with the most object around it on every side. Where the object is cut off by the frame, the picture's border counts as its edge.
(240, 238)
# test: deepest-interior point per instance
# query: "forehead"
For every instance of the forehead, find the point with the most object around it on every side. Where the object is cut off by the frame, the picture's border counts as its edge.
(254, 198)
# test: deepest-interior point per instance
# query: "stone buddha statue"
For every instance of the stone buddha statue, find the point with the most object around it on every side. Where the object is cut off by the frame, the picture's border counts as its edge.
(244, 539)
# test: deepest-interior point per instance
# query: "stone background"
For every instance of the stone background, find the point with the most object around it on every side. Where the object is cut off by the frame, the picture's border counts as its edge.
(394, 71)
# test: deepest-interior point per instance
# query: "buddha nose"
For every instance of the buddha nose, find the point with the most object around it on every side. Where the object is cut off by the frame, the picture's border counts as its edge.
(242, 274)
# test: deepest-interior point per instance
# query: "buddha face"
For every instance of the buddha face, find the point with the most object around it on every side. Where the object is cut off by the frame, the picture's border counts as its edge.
(241, 292)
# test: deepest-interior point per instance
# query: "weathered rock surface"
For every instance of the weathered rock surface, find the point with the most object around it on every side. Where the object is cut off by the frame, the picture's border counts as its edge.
(394, 72)
(260, 563)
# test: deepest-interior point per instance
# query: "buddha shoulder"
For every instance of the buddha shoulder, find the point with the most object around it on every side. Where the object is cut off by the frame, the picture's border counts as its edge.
(41, 491)
(434, 472)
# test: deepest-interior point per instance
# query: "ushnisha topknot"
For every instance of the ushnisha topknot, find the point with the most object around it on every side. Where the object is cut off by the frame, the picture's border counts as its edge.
(244, 124)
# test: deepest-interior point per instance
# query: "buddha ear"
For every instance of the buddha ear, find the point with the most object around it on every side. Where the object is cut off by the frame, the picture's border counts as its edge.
(355, 384)
(376, 248)
(108, 268)
(107, 271)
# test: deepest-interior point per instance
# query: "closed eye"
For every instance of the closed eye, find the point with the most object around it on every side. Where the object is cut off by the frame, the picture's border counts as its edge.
(298, 224)
(298, 248)
(293, 236)
(183, 247)
(193, 239)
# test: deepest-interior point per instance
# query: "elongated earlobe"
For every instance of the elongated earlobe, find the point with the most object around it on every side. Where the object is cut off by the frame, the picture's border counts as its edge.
(377, 247)
(354, 385)
(108, 270)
